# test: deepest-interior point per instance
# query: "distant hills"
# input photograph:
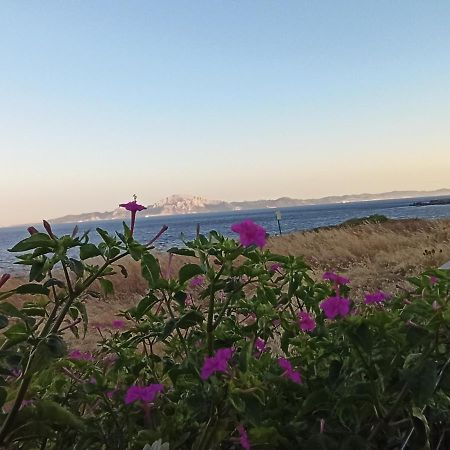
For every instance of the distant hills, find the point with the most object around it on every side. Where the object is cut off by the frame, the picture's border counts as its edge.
(178, 204)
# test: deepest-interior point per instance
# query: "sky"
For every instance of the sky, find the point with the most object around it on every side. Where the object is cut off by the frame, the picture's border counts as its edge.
(227, 99)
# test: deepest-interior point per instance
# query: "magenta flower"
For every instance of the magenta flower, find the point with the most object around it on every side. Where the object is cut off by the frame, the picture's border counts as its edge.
(196, 281)
(434, 280)
(335, 306)
(260, 345)
(306, 322)
(335, 278)
(4, 278)
(274, 267)
(118, 324)
(216, 363)
(146, 394)
(48, 229)
(289, 371)
(78, 355)
(243, 437)
(377, 297)
(250, 233)
(133, 207)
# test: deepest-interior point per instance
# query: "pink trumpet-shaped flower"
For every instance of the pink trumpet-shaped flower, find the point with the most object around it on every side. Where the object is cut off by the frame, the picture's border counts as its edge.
(289, 371)
(306, 321)
(335, 278)
(216, 363)
(260, 345)
(133, 207)
(335, 306)
(250, 233)
(376, 297)
(146, 394)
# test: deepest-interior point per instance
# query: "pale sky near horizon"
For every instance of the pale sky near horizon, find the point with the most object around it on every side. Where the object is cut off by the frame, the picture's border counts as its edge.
(231, 100)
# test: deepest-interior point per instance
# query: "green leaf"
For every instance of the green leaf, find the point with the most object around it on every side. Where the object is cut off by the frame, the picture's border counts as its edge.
(32, 288)
(320, 442)
(191, 318)
(36, 271)
(421, 429)
(2, 397)
(150, 268)
(57, 415)
(107, 286)
(17, 333)
(47, 350)
(109, 241)
(421, 380)
(3, 321)
(189, 271)
(89, 251)
(76, 267)
(144, 305)
(10, 310)
(34, 241)
(181, 251)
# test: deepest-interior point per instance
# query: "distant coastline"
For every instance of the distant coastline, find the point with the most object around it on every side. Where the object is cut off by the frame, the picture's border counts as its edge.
(434, 202)
(179, 204)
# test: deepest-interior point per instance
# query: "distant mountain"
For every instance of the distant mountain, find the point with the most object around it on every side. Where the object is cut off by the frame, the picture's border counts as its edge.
(178, 204)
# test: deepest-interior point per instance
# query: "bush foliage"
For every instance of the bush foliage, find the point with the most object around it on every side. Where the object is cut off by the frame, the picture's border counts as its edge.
(240, 349)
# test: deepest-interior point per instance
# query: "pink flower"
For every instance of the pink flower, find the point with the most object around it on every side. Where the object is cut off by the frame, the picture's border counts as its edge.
(216, 363)
(196, 281)
(377, 297)
(335, 306)
(243, 437)
(274, 267)
(335, 278)
(260, 345)
(4, 278)
(133, 207)
(306, 322)
(118, 324)
(32, 230)
(289, 371)
(78, 355)
(434, 280)
(250, 233)
(146, 394)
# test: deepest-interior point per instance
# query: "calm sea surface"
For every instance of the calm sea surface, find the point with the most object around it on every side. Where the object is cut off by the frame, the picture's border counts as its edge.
(293, 219)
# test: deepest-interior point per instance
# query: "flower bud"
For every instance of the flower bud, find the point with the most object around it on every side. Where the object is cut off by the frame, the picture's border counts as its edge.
(48, 229)
(32, 230)
(4, 278)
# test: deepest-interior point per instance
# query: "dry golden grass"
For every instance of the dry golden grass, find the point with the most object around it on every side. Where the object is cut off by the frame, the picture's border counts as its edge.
(373, 256)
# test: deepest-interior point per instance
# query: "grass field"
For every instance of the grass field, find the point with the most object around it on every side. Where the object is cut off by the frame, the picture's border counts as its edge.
(373, 255)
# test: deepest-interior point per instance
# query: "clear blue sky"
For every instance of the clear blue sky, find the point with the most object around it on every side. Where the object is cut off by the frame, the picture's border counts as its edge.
(225, 99)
